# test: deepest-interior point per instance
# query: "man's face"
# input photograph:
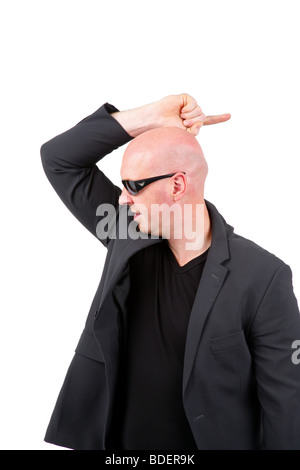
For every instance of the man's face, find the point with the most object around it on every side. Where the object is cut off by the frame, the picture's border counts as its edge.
(150, 204)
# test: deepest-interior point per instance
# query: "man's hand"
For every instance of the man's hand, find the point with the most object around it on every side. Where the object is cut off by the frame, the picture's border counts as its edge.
(184, 112)
(172, 111)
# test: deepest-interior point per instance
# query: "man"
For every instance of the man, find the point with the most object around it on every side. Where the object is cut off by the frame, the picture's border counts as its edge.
(190, 337)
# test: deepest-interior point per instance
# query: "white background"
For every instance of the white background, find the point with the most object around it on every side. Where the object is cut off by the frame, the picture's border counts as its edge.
(60, 61)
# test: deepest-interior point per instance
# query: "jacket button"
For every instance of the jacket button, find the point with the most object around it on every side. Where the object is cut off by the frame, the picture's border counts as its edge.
(95, 313)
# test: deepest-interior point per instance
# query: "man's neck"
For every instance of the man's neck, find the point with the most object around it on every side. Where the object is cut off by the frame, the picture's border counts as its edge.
(199, 245)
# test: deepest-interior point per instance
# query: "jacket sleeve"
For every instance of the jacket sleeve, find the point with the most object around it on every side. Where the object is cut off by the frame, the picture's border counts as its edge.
(69, 161)
(275, 329)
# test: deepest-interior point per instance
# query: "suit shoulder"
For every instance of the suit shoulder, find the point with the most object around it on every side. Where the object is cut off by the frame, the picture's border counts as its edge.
(247, 251)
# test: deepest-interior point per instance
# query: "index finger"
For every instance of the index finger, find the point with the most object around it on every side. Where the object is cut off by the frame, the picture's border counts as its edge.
(216, 119)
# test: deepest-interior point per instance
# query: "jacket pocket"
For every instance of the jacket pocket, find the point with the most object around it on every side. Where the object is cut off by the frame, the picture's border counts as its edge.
(224, 343)
(88, 347)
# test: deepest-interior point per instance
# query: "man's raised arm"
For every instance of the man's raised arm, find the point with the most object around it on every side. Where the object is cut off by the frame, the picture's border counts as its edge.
(69, 161)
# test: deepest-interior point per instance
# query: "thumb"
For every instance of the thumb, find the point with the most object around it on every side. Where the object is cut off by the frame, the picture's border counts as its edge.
(195, 128)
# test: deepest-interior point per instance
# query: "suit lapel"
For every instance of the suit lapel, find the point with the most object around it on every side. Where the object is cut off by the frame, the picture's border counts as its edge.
(211, 282)
(212, 279)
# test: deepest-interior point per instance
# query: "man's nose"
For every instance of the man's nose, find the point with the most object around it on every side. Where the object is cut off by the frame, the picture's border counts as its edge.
(125, 198)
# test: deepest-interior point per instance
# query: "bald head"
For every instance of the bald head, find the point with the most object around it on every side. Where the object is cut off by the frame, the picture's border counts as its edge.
(166, 150)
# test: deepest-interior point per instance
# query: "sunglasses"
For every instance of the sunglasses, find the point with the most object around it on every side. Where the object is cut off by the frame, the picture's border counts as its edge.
(133, 187)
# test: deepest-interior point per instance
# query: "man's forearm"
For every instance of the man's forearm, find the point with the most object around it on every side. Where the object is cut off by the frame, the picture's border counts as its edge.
(138, 120)
(180, 111)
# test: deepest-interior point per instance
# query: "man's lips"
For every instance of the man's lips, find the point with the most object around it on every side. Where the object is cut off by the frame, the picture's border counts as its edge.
(136, 215)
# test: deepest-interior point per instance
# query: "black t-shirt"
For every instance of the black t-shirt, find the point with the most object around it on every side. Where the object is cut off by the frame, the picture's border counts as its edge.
(151, 414)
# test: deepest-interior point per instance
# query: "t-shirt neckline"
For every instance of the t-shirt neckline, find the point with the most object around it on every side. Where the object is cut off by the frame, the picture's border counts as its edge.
(189, 265)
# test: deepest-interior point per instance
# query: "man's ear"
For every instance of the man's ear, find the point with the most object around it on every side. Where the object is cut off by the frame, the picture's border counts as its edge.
(178, 187)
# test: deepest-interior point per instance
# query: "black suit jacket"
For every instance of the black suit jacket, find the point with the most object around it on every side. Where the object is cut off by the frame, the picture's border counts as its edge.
(241, 389)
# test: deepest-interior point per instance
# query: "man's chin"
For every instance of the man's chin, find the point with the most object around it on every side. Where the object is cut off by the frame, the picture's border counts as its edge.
(144, 229)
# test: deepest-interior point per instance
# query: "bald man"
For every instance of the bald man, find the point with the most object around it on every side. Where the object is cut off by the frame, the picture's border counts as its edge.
(191, 339)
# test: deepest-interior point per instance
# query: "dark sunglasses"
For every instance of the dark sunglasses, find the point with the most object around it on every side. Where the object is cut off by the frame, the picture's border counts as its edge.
(133, 187)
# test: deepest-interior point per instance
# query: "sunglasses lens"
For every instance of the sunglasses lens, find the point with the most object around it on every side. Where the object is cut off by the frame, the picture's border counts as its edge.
(130, 186)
